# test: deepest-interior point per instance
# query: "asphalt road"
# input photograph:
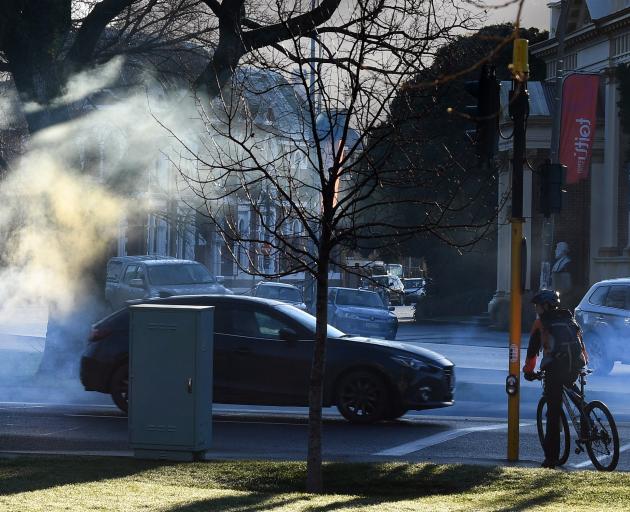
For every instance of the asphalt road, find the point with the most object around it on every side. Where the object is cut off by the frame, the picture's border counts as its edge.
(59, 417)
(243, 433)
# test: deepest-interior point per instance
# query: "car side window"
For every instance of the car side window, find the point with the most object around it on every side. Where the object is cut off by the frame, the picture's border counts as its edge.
(268, 326)
(331, 296)
(616, 297)
(223, 320)
(598, 297)
(114, 268)
(230, 321)
(130, 273)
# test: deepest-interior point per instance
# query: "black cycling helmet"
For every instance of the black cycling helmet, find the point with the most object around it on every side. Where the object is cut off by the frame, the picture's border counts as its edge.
(550, 297)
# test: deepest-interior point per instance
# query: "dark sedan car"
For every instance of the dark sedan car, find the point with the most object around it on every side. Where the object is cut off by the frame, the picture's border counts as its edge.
(262, 355)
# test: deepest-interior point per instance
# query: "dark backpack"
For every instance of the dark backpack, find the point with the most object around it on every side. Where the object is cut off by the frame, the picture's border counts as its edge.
(565, 342)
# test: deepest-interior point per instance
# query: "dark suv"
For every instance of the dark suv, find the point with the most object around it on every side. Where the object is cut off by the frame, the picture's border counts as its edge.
(604, 315)
(262, 355)
(141, 277)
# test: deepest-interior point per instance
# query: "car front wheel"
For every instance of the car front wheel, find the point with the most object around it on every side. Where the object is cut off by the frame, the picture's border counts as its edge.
(119, 387)
(362, 397)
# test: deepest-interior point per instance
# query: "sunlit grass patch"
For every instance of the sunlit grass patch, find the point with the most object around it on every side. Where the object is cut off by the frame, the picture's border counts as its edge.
(117, 484)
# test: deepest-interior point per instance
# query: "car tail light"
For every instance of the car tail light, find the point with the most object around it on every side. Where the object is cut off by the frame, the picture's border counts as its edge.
(99, 333)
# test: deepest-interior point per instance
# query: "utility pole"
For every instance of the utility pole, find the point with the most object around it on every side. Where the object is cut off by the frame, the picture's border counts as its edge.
(519, 111)
(554, 150)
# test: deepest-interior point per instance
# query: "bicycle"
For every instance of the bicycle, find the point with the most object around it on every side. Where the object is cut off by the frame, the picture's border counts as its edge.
(592, 422)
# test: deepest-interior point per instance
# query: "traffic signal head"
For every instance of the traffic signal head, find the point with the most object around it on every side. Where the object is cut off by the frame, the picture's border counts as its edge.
(486, 113)
(551, 182)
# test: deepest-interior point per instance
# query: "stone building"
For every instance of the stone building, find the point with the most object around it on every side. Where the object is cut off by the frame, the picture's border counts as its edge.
(594, 217)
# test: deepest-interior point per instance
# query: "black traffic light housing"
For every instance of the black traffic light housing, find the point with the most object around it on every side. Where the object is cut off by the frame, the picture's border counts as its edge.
(551, 183)
(486, 113)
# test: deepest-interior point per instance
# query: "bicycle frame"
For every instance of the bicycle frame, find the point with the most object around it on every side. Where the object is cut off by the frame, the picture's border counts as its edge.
(574, 403)
(593, 424)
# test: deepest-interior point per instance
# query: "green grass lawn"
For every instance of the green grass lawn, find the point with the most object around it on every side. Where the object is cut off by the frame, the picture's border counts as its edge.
(98, 484)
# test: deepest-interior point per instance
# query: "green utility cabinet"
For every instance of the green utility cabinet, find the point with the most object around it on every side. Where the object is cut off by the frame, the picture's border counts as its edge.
(170, 380)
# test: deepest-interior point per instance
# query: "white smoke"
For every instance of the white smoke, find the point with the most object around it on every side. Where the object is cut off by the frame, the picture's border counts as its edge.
(63, 201)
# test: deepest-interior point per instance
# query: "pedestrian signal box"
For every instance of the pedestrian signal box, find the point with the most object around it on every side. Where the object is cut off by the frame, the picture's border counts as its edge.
(170, 381)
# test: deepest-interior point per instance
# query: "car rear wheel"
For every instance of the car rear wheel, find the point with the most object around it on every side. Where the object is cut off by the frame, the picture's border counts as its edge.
(362, 397)
(119, 387)
(598, 361)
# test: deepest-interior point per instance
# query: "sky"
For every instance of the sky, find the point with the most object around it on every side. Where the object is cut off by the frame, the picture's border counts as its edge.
(535, 13)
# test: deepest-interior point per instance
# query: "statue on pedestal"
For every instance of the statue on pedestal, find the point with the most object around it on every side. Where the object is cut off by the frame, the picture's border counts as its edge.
(561, 270)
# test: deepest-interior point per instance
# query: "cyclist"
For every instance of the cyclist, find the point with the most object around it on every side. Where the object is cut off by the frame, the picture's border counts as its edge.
(558, 335)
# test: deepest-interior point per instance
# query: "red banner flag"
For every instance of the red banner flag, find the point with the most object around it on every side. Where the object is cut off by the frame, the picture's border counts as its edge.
(579, 108)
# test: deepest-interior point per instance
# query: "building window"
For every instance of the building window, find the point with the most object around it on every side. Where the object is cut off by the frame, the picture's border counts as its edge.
(621, 46)
(570, 64)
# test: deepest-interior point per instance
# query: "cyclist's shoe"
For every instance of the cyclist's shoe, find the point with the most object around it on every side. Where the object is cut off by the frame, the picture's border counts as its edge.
(549, 464)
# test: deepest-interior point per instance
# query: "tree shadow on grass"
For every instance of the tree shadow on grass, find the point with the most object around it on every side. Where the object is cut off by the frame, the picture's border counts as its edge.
(24, 474)
(388, 486)
(248, 503)
(356, 485)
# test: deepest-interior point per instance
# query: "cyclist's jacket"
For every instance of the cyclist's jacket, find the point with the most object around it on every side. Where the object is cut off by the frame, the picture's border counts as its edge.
(560, 338)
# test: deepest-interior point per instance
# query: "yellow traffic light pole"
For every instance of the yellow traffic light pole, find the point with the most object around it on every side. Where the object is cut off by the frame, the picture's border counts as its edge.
(519, 110)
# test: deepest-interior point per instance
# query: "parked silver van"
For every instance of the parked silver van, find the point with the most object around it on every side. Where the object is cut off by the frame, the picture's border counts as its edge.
(141, 277)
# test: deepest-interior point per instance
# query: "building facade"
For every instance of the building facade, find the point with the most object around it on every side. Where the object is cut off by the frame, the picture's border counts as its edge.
(594, 217)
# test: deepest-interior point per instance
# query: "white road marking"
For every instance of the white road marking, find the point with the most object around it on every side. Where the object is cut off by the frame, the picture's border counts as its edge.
(21, 407)
(589, 462)
(59, 431)
(262, 422)
(16, 405)
(95, 416)
(425, 442)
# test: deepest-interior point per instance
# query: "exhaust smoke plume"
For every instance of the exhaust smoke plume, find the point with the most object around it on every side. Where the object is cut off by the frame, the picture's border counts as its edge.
(64, 199)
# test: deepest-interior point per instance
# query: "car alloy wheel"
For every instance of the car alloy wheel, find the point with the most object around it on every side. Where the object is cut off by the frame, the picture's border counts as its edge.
(362, 397)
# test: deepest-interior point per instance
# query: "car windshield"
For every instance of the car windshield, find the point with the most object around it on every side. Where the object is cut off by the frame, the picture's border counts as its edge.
(306, 320)
(413, 283)
(359, 298)
(186, 273)
(283, 293)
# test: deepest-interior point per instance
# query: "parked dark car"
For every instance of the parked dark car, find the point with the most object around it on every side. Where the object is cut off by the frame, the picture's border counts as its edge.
(262, 355)
(279, 291)
(141, 277)
(361, 312)
(604, 316)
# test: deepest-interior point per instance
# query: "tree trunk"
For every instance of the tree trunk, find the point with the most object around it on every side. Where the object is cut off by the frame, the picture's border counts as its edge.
(314, 480)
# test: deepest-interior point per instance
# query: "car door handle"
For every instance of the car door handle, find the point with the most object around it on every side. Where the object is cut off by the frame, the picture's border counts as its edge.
(599, 317)
(243, 350)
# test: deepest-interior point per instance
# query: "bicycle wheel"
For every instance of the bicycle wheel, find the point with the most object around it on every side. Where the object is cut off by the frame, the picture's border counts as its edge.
(602, 444)
(565, 434)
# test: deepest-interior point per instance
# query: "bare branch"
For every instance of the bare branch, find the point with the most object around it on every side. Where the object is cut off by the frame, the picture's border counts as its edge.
(90, 31)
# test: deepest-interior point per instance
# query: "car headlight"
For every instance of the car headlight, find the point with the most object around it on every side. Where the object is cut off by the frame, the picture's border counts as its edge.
(410, 362)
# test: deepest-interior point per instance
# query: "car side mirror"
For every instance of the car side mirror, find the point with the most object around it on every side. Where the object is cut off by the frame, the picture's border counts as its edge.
(220, 279)
(288, 335)
(391, 308)
(137, 283)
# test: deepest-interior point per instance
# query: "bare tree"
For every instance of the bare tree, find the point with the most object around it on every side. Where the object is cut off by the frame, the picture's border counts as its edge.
(44, 46)
(300, 138)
